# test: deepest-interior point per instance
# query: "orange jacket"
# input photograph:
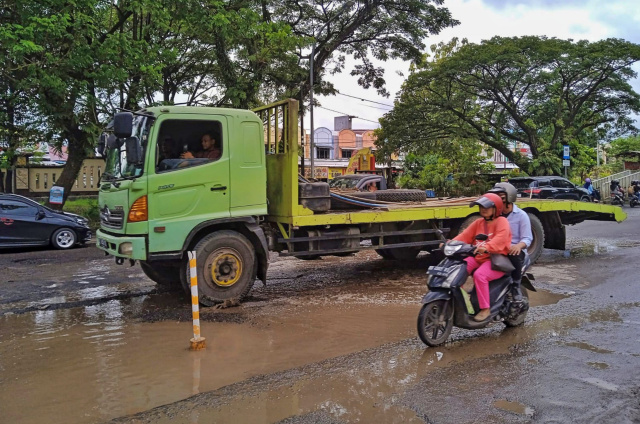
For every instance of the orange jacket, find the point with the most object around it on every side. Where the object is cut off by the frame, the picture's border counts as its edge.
(499, 233)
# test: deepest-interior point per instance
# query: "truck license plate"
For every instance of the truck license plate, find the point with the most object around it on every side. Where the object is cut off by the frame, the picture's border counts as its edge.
(103, 243)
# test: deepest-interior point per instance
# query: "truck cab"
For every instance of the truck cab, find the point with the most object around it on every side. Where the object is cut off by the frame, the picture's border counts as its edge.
(161, 180)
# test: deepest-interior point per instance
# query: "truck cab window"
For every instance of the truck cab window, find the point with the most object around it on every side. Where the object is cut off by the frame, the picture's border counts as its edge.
(183, 144)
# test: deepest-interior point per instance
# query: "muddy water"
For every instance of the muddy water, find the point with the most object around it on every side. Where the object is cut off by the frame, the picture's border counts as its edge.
(94, 363)
(370, 394)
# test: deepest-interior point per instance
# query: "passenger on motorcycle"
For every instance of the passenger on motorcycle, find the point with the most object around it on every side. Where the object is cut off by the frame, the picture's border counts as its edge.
(496, 227)
(521, 235)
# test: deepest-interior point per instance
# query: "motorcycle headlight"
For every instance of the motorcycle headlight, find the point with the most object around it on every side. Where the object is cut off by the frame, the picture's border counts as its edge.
(450, 250)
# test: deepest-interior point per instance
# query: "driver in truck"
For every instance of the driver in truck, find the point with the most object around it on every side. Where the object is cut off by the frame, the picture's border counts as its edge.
(210, 149)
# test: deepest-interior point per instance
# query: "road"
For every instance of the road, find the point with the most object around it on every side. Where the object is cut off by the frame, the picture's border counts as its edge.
(83, 340)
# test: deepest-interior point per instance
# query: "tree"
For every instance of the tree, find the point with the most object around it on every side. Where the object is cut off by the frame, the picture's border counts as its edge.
(80, 61)
(536, 91)
(456, 169)
(378, 29)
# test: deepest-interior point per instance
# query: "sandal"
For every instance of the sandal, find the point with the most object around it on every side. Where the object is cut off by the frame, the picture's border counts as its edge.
(483, 315)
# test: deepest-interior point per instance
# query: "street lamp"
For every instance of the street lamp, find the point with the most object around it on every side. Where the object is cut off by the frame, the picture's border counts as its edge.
(312, 146)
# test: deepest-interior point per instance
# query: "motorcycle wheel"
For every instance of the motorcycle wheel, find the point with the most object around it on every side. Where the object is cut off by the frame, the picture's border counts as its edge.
(434, 327)
(519, 320)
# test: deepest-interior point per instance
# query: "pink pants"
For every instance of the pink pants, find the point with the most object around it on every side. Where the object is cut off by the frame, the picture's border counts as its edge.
(481, 278)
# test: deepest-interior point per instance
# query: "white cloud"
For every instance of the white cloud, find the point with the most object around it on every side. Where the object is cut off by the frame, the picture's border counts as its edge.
(480, 20)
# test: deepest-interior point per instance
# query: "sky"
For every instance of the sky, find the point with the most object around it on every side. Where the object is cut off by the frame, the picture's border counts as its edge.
(590, 20)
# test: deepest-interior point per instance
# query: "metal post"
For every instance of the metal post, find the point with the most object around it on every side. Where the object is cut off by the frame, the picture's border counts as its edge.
(197, 342)
(311, 141)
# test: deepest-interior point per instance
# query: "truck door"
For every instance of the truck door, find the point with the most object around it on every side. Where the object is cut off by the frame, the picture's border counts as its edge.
(183, 193)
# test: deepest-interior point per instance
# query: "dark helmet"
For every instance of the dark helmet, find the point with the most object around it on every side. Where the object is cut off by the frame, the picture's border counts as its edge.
(616, 182)
(489, 200)
(508, 189)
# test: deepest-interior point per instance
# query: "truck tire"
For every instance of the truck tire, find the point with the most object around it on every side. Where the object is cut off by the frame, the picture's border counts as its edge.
(467, 221)
(226, 267)
(401, 195)
(163, 275)
(535, 250)
(384, 253)
(404, 253)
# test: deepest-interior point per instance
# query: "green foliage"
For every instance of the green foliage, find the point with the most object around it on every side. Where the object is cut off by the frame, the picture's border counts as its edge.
(535, 91)
(620, 146)
(456, 171)
(87, 207)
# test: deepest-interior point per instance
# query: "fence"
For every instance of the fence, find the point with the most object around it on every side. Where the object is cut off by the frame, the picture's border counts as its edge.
(625, 178)
(38, 180)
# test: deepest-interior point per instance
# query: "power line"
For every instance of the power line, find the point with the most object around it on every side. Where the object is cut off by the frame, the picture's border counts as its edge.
(365, 100)
(343, 113)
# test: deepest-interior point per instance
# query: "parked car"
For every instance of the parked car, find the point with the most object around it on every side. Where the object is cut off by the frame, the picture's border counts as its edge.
(549, 188)
(24, 222)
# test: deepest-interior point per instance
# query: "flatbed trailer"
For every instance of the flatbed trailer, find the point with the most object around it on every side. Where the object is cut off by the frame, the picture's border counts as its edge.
(234, 210)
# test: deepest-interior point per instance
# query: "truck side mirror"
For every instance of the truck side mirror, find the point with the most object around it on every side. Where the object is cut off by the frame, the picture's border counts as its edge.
(123, 124)
(134, 150)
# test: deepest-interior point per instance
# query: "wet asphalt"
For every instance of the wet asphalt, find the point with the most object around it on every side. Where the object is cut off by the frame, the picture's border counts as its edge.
(326, 341)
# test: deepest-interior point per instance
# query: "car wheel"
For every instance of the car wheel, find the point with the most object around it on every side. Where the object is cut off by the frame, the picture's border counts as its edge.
(64, 238)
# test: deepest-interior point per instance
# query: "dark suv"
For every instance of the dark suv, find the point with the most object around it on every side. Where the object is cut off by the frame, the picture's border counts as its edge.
(549, 188)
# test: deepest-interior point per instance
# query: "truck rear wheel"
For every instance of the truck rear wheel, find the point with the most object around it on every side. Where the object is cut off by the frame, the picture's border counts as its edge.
(535, 250)
(226, 267)
(163, 275)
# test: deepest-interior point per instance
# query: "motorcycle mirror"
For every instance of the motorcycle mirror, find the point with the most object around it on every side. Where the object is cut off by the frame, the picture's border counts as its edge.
(482, 237)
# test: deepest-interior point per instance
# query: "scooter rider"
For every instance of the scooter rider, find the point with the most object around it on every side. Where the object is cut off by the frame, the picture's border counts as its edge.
(497, 239)
(521, 235)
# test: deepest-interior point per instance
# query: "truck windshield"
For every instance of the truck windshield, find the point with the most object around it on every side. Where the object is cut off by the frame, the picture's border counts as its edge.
(117, 166)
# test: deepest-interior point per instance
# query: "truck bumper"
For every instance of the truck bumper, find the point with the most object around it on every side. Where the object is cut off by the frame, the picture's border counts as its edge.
(122, 246)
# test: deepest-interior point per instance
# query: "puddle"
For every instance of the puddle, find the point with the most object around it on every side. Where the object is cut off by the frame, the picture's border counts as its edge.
(586, 346)
(544, 297)
(514, 407)
(599, 248)
(97, 360)
(598, 365)
(601, 384)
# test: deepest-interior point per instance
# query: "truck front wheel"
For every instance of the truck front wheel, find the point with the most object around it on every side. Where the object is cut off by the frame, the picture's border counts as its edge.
(226, 267)
(162, 274)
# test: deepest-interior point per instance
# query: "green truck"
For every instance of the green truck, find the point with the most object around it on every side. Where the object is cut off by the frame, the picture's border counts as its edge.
(157, 203)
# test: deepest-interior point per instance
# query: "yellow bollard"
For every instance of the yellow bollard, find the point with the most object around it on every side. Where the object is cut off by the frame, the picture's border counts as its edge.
(197, 343)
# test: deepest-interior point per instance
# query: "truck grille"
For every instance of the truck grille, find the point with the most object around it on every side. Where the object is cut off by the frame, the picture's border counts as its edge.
(112, 218)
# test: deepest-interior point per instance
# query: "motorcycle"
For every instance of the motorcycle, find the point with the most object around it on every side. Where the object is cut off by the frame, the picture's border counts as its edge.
(617, 198)
(448, 304)
(634, 200)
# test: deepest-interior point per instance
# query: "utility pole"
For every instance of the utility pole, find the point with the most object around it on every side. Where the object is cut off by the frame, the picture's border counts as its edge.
(345, 6)
(302, 129)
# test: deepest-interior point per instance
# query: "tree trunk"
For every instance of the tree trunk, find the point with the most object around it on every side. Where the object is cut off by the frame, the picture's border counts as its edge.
(78, 141)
